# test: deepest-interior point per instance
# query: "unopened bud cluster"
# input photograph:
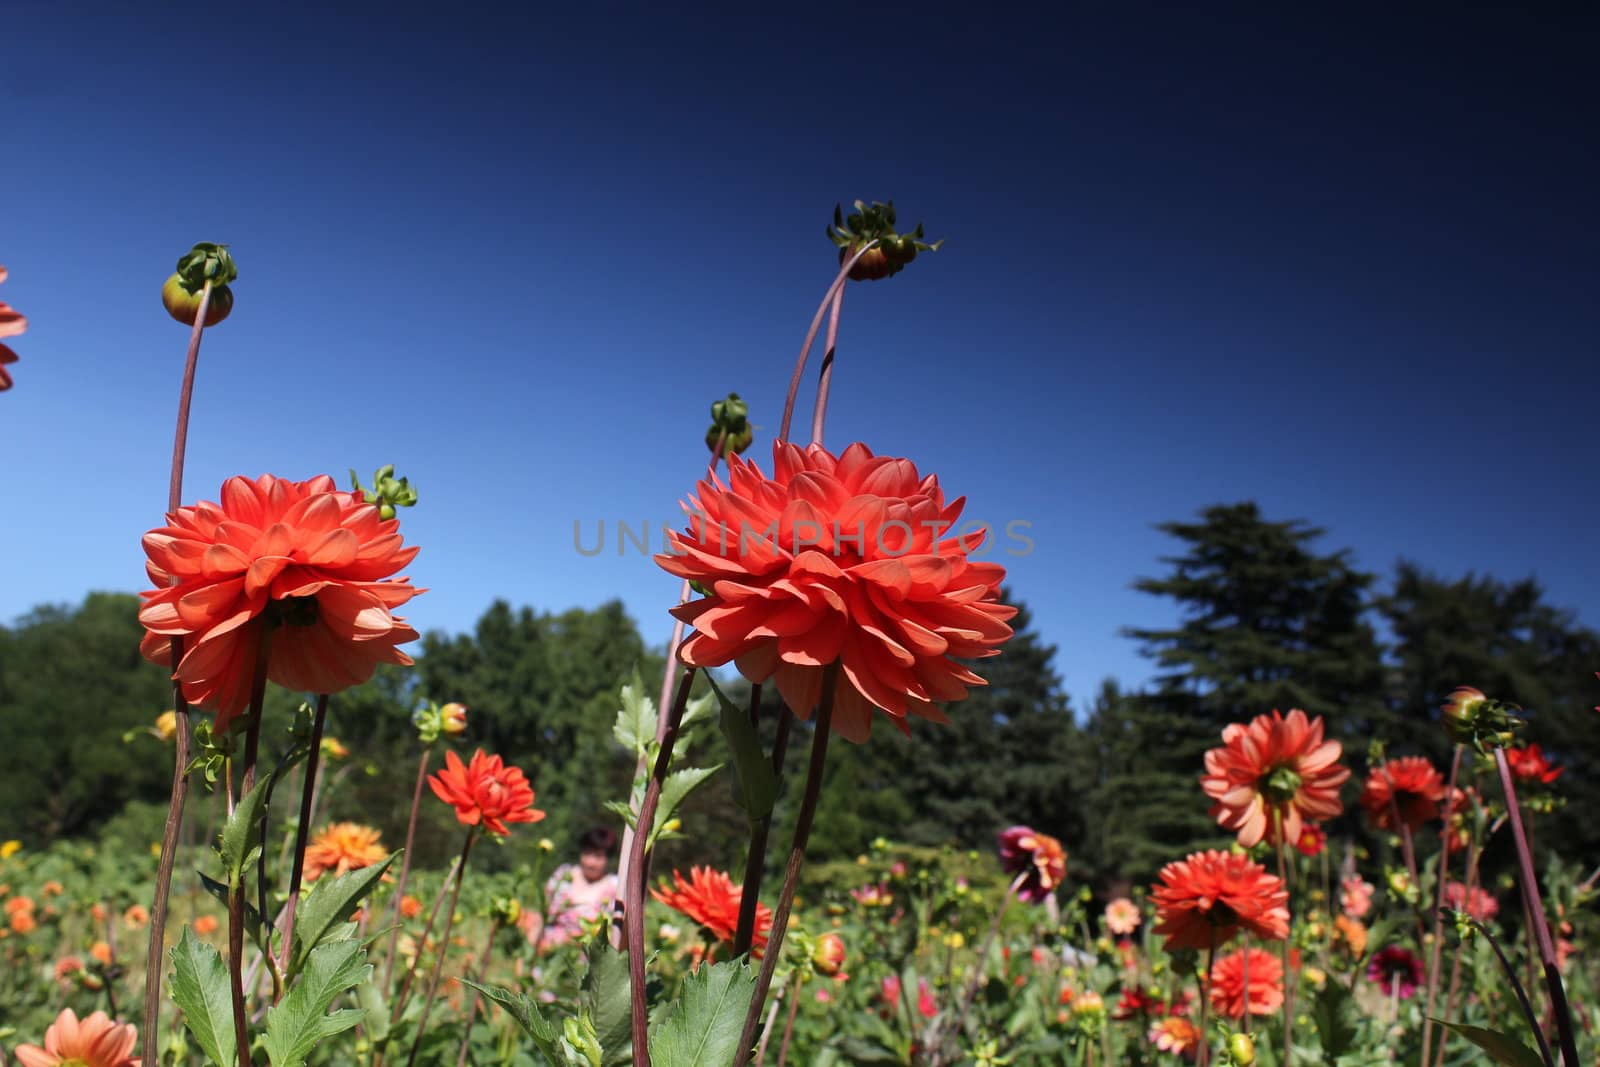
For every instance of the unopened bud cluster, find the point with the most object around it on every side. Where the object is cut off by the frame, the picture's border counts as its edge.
(1470, 718)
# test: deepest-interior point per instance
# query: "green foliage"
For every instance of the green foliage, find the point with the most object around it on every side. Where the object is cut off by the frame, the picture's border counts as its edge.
(330, 904)
(703, 1027)
(241, 834)
(199, 984)
(301, 1020)
(606, 1000)
(1502, 1048)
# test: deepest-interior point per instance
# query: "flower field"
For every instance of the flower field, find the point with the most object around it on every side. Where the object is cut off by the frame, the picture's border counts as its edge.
(1350, 898)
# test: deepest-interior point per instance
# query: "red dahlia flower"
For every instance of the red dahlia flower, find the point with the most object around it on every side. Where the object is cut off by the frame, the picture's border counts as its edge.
(1210, 896)
(710, 899)
(1273, 776)
(1039, 858)
(838, 559)
(485, 792)
(1396, 968)
(1479, 904)
(12, 323)
(1415, 786)
(299, 560)
(1265, 994)
(1530, 764)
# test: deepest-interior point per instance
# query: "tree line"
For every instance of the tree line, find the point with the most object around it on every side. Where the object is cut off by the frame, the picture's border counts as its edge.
(1268, 618)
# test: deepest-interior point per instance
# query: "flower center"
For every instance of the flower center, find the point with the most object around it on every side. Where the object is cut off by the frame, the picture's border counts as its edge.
(1280, 784)
(292, 611)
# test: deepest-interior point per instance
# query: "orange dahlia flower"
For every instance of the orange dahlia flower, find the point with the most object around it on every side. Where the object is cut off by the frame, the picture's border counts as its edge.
(12, 323)
(1530, 764)
(1228, 993)
(1176, 1035)
(299, 560)
(205, 925)
(92, 1042)
(838, 560)
(1123, 916)
(485, 792)
(341, 848)
(710, 899)
(1414, 785)
(1273, 776)
(1038, 858)
(1210, 896)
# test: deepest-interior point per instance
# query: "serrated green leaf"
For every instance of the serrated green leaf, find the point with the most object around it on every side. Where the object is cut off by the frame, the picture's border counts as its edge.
(704, 1028)
(296, 1024)
(1505, 1049)
(199, 984)
(527, 1015)
(241, 835)
(674, 791)
(623, 811)
(375, 1006)
(332, 902)
(607, 996)
(756, 785)
(695, 711)
(635, 728)
(1332, 1014)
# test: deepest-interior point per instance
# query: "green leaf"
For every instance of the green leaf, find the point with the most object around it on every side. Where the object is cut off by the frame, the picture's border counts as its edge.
(301, 1020)
(332, 902)
(199, 984)
(241, 836)
(546, 1035)
(1332, 1018)
(608, 997)
(375, 1006)
(703, 1030)
(252, 917)
(757, 787)
(618, 808)
(674, 791)
(1503, 1048)
(635, 728)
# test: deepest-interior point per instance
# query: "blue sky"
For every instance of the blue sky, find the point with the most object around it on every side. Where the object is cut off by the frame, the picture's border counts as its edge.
(1341, 265)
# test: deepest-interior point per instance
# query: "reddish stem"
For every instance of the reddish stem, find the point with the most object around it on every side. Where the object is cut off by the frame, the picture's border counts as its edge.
(180, 780)
(811, 336)
(405, 867)
(819, 414)
(444, 948)
(302, 831)
(1435, 951)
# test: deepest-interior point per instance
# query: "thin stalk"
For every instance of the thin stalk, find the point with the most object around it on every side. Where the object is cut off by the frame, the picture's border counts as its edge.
(633, 908)
(180, 756)
(302, 830)
(1442, 872)
(766, 1034)
(444, 949)
(1541, 926)
(797, 855)
(811, 336)
(755, 859)
(788, 1023)
(405, 866)
(819, 413)
(1473, 851)
(1522, 997)
(477, 998)
(1204, 1050)
(668, 676)
(258, 688)
(1244, 980)
(427, 932)
(1288, 974)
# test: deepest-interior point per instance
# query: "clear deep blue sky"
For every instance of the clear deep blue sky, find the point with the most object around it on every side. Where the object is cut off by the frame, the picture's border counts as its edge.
(1340, 263)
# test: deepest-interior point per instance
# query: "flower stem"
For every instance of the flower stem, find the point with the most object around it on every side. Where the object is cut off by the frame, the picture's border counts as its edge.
(180, 707)
(1541, 926)
(236, 888)
(633, 908)
(1204, 1050)
(444, 948)
(427, 932)
(788, 1023)
(405, 866)
(811, 336)
(797, 855)
(1474, 849)
(477, 998)
(1288, 973)
(756, 859)
(1441, 873)
(1522, 998)
(819, 414)
(302, 830)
